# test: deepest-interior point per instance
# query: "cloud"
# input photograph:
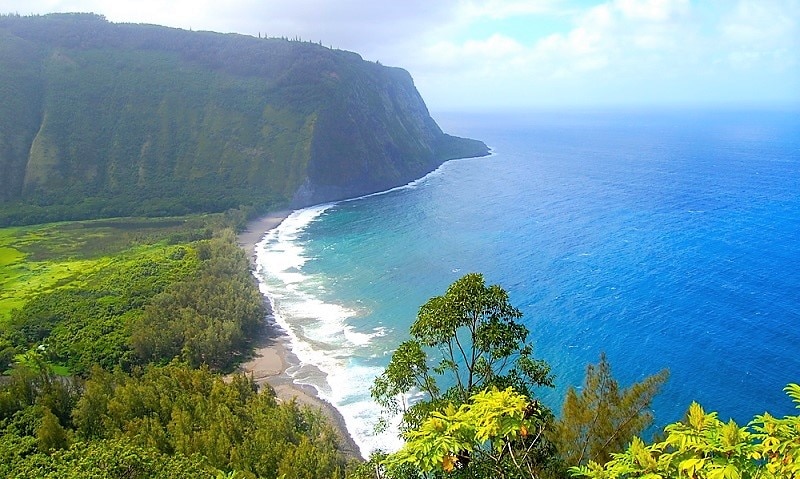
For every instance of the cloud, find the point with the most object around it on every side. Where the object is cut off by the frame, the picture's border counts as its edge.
(353, 22)
(617, 34)
(651, 10)
(500, 9)
(600, 37)
(359, 25)
(521, 51)
(628, 51)
(762, 34)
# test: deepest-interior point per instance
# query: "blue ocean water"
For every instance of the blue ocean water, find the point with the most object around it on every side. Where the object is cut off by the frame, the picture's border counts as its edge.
(667, 239)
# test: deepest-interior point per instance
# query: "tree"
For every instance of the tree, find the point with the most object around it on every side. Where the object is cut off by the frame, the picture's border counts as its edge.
(50, 435)
(480, 344)
(175, 410)
(702, 446)
(111, 459)
(603, 419)
(481, 347)
(7, 353)
(498, 431)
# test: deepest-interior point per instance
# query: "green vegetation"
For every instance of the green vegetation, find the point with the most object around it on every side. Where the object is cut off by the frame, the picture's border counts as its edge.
(44, 258)
(149, 301)
(507, 433)
(103, 460)
(493, 434)
(481, 344)
(114, 367)
(481, 347)
(602, 419)
(113, 373)
(702, 446)
(206, 318)
(106, 120)
(169, 421)
(113, 333)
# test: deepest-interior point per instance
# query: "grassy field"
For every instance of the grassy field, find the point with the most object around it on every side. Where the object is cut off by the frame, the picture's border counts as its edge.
(37, 259)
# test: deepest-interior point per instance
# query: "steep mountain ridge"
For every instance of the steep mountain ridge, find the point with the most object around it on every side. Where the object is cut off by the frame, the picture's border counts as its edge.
(103, 119)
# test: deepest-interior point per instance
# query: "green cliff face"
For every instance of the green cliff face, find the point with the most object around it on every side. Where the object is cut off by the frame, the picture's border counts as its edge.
(102, 119)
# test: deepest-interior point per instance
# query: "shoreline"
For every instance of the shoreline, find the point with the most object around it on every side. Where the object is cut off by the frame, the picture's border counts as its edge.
(272, 354)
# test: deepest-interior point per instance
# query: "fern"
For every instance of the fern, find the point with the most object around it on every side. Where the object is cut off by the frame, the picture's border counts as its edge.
(793, 390)
(704, 446)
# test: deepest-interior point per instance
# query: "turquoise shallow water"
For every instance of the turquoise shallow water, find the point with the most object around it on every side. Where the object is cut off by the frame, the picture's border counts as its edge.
(668, 239)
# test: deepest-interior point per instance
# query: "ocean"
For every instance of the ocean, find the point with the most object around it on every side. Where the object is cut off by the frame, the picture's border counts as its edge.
(666, 238)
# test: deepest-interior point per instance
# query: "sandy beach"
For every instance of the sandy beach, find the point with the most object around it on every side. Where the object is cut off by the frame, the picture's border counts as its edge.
(273, 356)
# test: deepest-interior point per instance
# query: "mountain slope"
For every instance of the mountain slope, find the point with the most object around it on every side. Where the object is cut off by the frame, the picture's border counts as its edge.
(108, 119)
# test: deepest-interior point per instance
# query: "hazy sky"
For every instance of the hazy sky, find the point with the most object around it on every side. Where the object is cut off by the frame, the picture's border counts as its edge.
(495, 53)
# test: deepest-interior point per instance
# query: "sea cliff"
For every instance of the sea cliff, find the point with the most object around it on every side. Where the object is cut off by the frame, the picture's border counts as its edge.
(107, 119)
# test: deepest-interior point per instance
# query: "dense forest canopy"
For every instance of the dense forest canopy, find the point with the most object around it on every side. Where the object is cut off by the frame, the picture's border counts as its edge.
(114, 337)
(103, 120)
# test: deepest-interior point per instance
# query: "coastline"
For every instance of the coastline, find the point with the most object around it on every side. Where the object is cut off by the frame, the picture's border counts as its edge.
(272, 355)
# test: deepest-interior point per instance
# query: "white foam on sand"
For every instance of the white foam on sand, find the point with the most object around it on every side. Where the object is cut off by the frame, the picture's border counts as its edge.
(321, 335)
(327, 346)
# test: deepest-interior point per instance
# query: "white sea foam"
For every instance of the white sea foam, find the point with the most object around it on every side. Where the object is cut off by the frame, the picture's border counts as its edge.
(521, 221)
(320, 334)
(416, 183)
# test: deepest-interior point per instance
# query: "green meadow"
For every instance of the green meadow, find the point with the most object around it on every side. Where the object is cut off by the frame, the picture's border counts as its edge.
(42, 258)
(126, 292)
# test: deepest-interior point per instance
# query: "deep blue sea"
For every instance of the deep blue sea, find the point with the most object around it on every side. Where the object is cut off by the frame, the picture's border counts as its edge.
(668, 239)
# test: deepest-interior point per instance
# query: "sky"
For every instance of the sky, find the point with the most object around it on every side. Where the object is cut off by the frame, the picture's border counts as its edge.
(489, 54)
